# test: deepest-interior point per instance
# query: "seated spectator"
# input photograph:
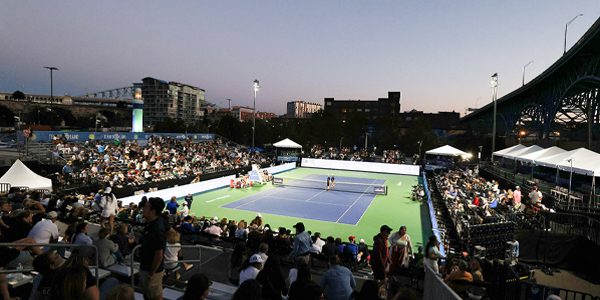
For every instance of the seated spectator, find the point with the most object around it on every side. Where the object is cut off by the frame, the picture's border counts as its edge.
(45, 231)
(338, 282)
(197, 288)
(73, 280)
(304, 288)
(122, 292)
(214, 229)
(329, 249)
(317, 245)
(45, 264)
(173, 251)
(251, 268)
(186, 226)
(237, 259)
(350, 253)
(124, 240)
(248, 290)
(458, 276)
(81, 237)
(271, 279)
(363, 251)
(241, 232)
(108, 251)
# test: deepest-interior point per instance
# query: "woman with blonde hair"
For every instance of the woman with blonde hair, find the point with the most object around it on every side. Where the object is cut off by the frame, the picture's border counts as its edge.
(172, 252)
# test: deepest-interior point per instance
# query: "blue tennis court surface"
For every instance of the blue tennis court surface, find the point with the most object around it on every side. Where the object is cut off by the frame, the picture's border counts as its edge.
(332, 206)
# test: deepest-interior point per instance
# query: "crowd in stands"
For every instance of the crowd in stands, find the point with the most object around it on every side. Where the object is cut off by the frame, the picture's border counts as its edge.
(120, 163)
(355, 154)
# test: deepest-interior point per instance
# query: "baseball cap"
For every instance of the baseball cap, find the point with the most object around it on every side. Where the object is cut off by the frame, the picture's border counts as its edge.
(256, 258)
(52, 215)
(351, 238)
(385, 228)
(362, 241)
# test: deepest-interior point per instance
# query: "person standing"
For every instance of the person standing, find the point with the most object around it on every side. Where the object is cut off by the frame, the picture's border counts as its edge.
(109, 208)
(379, 256)
(153, 248)
(328, 182)
(332, 182)
(189, 199)
(517, 197)
(302, 244)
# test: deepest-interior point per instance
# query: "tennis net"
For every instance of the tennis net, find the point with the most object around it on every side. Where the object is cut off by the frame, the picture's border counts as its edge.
(363, 188)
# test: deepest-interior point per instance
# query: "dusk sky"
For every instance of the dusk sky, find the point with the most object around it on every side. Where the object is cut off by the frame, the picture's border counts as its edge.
(439, 54)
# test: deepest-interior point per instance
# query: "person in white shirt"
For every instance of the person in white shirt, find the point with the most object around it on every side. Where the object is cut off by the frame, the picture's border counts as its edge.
(109, 209)
(317, 245)
(252, 268)
(45, 231)
(185, 210)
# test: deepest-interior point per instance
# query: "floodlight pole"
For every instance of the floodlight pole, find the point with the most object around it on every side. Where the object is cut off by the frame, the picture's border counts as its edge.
(51, 83)
(494, 86)
(256, 88)
(524, 67)
(566, 30)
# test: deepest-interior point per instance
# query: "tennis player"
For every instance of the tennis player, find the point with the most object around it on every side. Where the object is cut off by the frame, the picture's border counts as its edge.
(332, 182)
(328, 181)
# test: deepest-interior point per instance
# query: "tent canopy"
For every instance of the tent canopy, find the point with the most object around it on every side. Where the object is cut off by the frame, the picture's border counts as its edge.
(446, 150)
(582, 161)
(518, 153)
(287, 143)
(20, 175)
(505, 151)
(532, 157)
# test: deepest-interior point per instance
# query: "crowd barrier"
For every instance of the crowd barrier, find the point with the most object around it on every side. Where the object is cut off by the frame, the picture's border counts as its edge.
(435, 288)
(434, 225)
(361, 166)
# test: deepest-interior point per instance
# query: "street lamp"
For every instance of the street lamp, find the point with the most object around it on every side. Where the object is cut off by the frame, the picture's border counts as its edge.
(494, 86)
(51, 83)
(420, 144)
(522, 133)
(479, 155)
(524, 67)
(256, 88)
(567, 28)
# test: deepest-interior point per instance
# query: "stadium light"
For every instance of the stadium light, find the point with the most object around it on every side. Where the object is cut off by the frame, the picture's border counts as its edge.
(51, 83)
(524, 67)
(494, 86)
(256, 88)
(567, 28)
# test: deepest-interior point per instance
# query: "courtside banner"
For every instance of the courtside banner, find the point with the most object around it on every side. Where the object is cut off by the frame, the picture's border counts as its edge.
(360, 166)
(280, 168)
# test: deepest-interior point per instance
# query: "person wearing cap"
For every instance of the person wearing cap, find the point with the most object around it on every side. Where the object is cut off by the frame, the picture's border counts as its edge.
(109, 209)
(379, 256)
(350, 253)
(251, 269)
(153, 248)
(302, 244)
(197, 287)
(185, 210)
(363, 251)
(45, 231)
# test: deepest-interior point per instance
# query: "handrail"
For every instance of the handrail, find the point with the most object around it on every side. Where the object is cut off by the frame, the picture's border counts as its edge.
(199, 260)
(96, 267)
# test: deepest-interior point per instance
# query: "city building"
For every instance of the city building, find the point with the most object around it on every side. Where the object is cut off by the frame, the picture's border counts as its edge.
(301, 109)
(242, 113)
(372, 109)
(173, 100)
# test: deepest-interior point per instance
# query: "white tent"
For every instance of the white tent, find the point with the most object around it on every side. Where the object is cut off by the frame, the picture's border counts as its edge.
(20, 175)
(531, 157)
(518, 153)
(505, 151)
(287, 143)
(581, 160)
(446, 150)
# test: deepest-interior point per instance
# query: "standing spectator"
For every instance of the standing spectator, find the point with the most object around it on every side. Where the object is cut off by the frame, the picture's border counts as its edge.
(153, 249)
(109, 209)
(534, 196)
(251, 268)
(338, 281)
(403, 236)
(185, 210)
(172, 206)
(379, 257)
(432, 254)
(107, 249)
(189, 199)
(302, 243)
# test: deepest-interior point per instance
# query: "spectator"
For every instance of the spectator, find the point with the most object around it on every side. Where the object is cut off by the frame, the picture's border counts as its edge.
(81, 237)
(517, 197)
(73, 280)
(172, 206)
(398, 257)
(251, 268)
(124, 240)
(237, 259)
(45, 264)
(329, 249)
(350, 254)
(363, 251)
(369, 291)
(271, 279)
(302, 243)
(241, 233)
(401, 234)
(109, 209)
(197, 288)
(173, 251)
(254, 238)
(107, 249)
(45, 231)
(379, 256)
(122, 292)
(189, 199)
(185, 211)
(248, 290)
(432, 254)
(186, 226)
(338, 281)
(458, 276)
(317, 243)
(304, 288)
(152, 250)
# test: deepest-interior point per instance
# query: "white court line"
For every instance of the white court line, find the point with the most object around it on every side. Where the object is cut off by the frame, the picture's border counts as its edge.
(353, 203)
(218, 198)
(366, 209)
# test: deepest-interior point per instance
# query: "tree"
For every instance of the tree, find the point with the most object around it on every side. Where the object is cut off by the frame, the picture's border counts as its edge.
(18, 95)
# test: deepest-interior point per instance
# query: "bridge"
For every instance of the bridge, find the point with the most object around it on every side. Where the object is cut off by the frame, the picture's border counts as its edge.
(561, 104)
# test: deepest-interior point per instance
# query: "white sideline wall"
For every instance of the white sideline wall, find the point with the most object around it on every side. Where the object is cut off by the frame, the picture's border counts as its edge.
(361, 166)
(194, 188)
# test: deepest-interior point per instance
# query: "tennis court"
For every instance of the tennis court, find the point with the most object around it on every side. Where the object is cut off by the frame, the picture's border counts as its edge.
(313, 201)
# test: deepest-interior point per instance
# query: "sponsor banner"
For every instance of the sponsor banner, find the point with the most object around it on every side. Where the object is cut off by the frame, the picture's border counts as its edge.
(361, 166)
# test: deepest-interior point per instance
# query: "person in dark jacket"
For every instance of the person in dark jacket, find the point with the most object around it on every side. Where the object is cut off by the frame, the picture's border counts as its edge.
(271, 279)
(379, 256)
(304, 288)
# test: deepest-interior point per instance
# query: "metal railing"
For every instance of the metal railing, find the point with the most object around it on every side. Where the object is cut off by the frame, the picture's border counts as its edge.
(198, 261)
(57, 245)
